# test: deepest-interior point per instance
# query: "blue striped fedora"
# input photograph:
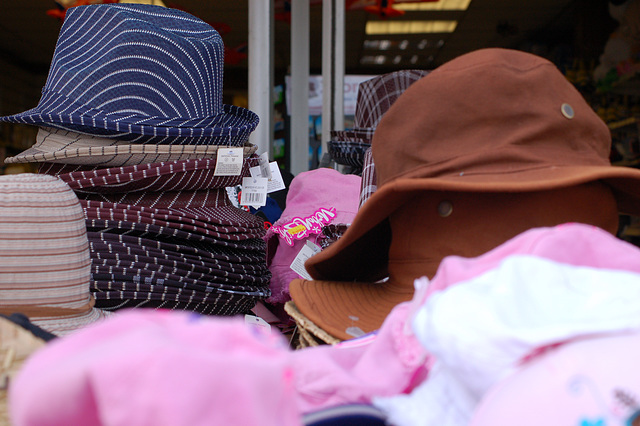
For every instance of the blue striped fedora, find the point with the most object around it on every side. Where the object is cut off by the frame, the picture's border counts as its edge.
(140, 73)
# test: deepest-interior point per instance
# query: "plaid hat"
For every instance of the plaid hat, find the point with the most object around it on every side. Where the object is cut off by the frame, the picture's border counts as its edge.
(375, 96)
(65, 147)
(44, 254)
(369, 178)
(139, 73)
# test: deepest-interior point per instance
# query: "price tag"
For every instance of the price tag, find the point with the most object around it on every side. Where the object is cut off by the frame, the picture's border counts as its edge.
(276, 183)
(258, 322)
(265, 168)
(308, 250)
(254, 191)
(228, 162)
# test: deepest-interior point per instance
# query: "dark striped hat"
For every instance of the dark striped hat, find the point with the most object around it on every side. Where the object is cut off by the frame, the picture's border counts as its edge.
(140, 73)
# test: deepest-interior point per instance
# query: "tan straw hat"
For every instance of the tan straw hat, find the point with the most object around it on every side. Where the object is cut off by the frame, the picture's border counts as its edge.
(16, 346)
(491, 123)
(44, 254)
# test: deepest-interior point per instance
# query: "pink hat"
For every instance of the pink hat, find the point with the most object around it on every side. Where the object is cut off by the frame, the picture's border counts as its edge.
(591, 382)
(158, 367)
(481, 317)
(316, 198)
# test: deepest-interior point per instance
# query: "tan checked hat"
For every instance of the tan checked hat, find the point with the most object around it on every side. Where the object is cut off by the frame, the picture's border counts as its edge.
(67, 147)
(44, 254)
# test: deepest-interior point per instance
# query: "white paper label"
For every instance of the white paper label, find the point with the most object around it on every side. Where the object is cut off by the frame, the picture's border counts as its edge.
(254, 191)
(229, 162)
(276, 183)
(258, 322)
(308, 250)
(265, 168)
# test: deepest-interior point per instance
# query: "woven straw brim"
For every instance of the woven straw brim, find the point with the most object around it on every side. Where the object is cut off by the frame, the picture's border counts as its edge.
(17, 344)
(309, 333)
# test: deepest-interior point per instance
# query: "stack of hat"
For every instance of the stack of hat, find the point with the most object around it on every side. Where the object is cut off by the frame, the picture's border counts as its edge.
(375, 96)
(132, 119)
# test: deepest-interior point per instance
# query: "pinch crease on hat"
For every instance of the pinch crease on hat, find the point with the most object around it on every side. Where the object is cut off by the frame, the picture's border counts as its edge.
(140, 73)
(460, 130)
(44, 254)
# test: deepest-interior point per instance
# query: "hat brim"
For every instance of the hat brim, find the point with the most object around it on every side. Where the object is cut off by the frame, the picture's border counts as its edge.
(353, 135)
(118, 155)
(223, 304)
(346, 310)
(63, 325)
(345, 273)
(231, 127)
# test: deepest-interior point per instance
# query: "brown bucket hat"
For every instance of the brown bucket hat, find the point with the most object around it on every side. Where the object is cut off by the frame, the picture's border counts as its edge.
(495, 123)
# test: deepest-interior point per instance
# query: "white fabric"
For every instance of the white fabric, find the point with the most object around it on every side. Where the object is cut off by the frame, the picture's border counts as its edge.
(479, 330)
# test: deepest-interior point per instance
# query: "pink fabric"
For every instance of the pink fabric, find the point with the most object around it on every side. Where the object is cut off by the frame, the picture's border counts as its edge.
(150, 367)
(571, 243)
(481, 318)
(145, 367)
(354, 371)
(592, 382)
(309, 191)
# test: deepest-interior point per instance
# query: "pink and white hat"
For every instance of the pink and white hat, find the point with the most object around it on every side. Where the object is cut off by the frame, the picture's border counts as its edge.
(482, 317)
(590, 382)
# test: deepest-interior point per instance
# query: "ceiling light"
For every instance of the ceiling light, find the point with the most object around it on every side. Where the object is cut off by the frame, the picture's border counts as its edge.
(435, 5)
(410, 27)
(377, 60)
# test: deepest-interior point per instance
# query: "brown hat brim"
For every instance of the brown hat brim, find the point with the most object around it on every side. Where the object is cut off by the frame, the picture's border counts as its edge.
(344, 292)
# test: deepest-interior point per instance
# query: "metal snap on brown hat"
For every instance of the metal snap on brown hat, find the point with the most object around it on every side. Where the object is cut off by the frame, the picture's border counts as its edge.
(492, 125)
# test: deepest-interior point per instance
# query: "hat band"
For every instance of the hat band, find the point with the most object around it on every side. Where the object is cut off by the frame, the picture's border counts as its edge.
(47, 311)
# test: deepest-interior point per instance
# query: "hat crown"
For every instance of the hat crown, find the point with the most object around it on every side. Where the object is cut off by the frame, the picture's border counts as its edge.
(138, 60)
(376, 95)
(488, 113)
(44, 251)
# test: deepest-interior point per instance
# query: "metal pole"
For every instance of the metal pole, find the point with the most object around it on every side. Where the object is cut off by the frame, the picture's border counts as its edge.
(261, 71)
(332, 68)
(299, 147)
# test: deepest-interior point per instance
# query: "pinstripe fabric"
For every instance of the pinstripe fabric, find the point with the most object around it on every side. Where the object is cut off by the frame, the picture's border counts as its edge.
(180, 175)
(44, 253)
(139, 73)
